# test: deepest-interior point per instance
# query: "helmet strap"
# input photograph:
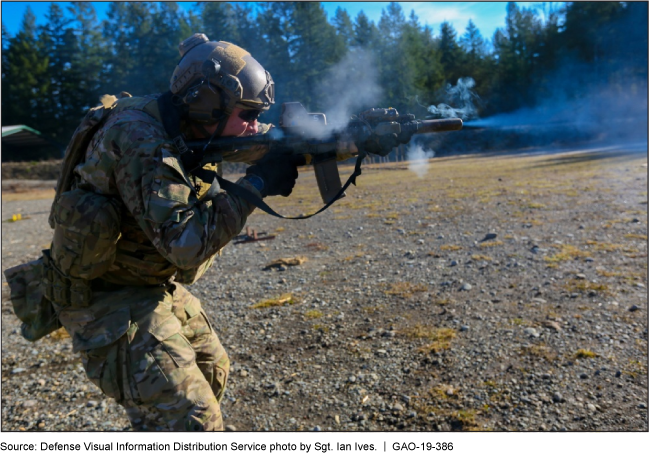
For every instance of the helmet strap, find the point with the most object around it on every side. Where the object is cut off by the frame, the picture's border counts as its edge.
(225, 111)
(201, 128)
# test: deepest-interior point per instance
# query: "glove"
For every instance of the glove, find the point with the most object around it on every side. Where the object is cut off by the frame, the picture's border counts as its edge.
(278, 176)
(380, 145)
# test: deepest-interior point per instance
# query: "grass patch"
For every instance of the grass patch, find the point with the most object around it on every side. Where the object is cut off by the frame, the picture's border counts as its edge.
(404, 289)
(481, 257)
(359, 254)
(539, 351)
(443, 391)
(466, 418)
(566, 253)
(604, 247)
(28, 196)
(490, 244)
(321, 328)
(441, 340)
(283, 300)
(608, 274)
(419, 331)
(451, 247)
(313, 314)
(585, 354)
(636, 236)
(585, 286)
(373, 309)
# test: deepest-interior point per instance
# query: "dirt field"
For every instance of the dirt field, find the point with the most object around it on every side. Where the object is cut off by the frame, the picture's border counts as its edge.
(504, 292)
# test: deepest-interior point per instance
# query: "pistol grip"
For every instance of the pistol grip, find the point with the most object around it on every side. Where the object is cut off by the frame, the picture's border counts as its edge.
(329, 181)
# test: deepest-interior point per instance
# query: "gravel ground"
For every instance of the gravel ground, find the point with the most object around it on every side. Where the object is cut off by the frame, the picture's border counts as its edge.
(494, 293)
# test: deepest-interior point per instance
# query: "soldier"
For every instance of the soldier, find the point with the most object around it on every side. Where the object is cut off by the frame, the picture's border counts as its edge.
(143, 338)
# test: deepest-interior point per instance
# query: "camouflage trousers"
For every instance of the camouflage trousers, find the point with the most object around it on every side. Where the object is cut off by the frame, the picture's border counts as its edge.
(169, 370)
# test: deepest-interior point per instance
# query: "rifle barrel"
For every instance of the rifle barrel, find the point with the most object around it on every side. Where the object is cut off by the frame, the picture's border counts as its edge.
(445, 124)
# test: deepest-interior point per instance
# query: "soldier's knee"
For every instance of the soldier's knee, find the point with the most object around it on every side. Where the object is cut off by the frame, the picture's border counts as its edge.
(203, 418)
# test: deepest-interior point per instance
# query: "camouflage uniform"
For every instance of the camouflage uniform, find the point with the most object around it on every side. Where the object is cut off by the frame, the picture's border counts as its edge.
(145, 340)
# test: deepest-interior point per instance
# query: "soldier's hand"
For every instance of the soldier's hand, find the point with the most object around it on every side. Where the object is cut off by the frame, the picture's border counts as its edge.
(279, 175)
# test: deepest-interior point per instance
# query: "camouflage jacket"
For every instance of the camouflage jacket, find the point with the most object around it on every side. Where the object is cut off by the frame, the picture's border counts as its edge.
(171, 224)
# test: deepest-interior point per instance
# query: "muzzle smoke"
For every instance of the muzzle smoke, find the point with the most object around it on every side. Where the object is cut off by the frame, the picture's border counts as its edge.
(576, 106)
(348, 88)
(461, 95)
(351, 86)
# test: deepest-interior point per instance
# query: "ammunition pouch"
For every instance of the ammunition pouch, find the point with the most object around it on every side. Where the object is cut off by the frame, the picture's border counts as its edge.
(26, 283)
(63, 290)
(86, 231)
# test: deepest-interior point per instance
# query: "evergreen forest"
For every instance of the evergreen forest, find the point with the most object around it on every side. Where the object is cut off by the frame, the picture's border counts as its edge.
(51, 74)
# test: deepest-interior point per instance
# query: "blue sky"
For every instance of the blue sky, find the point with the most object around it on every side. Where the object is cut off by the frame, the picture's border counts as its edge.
(487, 16)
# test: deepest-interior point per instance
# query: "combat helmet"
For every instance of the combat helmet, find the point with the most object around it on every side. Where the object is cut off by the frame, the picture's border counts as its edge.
(214, 77)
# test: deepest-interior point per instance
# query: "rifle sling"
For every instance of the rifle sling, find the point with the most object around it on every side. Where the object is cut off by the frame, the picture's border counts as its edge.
(171, 119)
(242, 192)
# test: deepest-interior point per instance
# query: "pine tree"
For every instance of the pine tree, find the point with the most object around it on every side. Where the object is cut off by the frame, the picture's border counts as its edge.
(477, 62)
(26, 80)
(393, 59)
(144, 49)
(314, 47)
(6, 37)
(517, 49)
(423, 70)
(451, 54)
(169, 28)
(60, 43)
(87, 61)
(275, 30)
(365, 32)
(473, 43)
(229, 22)
(344, 26)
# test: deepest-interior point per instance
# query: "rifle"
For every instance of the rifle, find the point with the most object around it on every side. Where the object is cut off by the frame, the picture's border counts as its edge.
(306, 138)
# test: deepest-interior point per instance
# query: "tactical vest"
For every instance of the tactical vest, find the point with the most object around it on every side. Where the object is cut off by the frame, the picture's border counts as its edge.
(137, 262)
(39, 288)
(96, 243)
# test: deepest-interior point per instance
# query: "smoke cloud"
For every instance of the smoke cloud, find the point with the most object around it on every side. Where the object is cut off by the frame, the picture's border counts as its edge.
(461, 95)
(418, 158)
(577, 104)
(350, 86)
(347, 89)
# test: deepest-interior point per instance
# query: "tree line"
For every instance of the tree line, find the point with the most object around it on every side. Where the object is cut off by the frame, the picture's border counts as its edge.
(52, 73)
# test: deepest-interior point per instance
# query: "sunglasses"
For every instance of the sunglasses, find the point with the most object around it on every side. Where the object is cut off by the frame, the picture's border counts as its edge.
(249, 115)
